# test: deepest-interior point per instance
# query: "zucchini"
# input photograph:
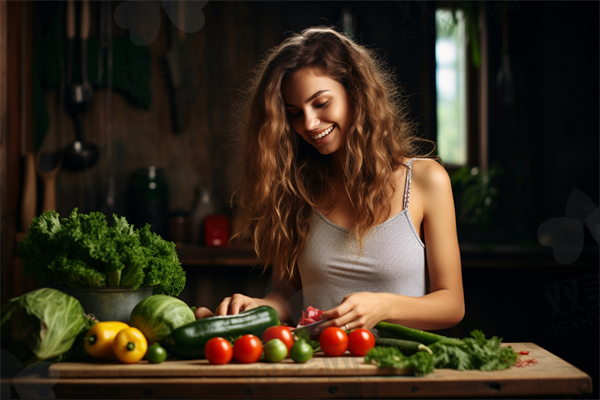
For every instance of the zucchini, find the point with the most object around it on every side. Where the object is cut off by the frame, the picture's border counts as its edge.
(188, 340)
(407, 347)
(389, 330)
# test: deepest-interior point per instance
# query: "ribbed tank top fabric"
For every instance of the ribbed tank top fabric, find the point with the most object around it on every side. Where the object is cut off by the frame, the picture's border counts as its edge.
(392, 260)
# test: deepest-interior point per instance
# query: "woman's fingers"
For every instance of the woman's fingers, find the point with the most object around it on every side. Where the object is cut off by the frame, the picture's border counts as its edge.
(338, 318)
(353, 312)
(337, 312)
(223, 308)
(235, 304)
(202, 312)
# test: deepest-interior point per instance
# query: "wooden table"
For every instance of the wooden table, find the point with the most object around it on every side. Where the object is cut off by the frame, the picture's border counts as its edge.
(321, 377)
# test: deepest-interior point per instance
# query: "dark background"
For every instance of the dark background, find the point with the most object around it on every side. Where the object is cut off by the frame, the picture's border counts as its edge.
(544, 144)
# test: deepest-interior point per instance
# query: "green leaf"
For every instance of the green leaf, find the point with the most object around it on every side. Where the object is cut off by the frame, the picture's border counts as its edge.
(420, 363)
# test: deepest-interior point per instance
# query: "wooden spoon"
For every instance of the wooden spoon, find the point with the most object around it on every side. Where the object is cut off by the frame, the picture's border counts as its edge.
(47, 166)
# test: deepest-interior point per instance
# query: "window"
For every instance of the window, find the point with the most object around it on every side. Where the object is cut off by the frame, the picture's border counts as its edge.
(451, 87)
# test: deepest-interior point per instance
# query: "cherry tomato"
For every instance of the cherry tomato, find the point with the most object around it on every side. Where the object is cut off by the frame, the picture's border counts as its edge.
(333, 341)
(360, 341)
(247, 349)
(275, 350)
(218, 351)
(301, 351)
(281, 332)
(156, 354)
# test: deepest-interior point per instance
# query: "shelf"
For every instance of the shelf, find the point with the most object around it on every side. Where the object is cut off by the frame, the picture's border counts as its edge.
(192, 255)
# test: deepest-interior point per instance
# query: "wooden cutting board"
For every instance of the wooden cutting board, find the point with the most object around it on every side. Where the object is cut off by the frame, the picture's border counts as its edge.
(548, 366)
(321, 377)
(319, 365)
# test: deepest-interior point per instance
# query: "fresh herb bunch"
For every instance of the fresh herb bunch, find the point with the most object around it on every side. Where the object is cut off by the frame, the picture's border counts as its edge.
(420, 363)
(83, 251)
(474, 353)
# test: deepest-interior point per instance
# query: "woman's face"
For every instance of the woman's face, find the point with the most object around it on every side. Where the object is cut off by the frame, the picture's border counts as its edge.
(318, 109)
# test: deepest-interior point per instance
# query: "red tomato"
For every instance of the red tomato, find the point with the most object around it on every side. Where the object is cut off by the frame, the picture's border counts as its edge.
(281, 332)
(360, 341)
(247, 349)
(218, 351)
(333, 341)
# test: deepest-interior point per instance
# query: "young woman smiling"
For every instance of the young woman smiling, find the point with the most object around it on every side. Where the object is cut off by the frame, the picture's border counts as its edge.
(329, 164)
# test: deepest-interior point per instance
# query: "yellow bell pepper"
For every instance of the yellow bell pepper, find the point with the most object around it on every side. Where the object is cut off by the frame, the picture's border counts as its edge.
(99, 340)
(130, 345)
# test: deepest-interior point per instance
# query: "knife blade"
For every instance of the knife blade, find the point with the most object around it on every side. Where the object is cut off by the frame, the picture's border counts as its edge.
(310, 328)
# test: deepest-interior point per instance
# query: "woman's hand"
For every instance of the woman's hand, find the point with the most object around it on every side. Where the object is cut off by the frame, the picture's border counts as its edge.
(236, 304)
(357, 310)
(202, 312)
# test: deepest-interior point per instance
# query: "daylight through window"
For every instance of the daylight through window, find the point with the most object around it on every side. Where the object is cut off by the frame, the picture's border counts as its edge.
(450, 47)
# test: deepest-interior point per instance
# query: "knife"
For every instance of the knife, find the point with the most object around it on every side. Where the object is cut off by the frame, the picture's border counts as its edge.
(310, 328)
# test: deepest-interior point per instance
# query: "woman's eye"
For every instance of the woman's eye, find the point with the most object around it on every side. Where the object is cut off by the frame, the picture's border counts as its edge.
(294, 116)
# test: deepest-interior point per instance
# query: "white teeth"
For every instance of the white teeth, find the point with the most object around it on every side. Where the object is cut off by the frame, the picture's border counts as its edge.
(324, 133)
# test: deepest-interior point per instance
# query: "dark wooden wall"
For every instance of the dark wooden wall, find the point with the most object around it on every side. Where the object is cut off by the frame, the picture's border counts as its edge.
(229, 44)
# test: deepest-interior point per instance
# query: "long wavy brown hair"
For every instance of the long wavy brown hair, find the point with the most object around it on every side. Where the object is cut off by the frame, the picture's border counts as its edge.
(283, 179)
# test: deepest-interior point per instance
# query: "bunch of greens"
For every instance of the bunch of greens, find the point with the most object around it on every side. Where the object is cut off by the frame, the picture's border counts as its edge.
(474, 353)
(83, 251)
(420, 363)
(42, 325)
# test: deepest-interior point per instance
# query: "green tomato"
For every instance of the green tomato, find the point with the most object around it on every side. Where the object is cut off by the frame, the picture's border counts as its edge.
(156, 354)
(301, 351)
(275, 350)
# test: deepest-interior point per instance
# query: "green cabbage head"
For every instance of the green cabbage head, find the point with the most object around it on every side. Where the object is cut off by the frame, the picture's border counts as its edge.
(46, 321)
(158, 315)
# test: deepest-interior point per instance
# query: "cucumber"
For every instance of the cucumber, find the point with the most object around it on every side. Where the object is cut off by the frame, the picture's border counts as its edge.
(389, 330)
(188, 340)
(407, 347)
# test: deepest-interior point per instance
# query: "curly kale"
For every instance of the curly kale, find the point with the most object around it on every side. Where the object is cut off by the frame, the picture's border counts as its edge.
(83, 251)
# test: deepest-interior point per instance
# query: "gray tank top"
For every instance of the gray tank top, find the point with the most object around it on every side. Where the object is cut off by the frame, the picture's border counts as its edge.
(392, 261)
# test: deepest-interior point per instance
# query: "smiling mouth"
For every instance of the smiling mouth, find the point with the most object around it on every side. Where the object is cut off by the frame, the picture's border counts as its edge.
(324, 133)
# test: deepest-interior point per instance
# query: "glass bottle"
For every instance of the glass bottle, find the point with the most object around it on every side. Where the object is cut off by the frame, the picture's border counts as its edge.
(149, 200)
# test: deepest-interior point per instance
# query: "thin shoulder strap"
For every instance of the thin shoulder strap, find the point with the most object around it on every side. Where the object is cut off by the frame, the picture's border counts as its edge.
(408, 179)
(407, 184)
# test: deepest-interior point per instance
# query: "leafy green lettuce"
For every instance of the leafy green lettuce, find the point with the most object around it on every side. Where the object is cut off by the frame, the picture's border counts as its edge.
(42, 324)
(83, 251)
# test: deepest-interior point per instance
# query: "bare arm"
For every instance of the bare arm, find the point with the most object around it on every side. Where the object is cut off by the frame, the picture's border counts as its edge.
(444, 306)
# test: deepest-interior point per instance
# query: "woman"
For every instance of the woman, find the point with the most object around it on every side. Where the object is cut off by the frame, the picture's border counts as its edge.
(329, 169)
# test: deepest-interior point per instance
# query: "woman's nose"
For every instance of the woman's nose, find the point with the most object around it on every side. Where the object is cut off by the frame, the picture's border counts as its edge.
(311, 121)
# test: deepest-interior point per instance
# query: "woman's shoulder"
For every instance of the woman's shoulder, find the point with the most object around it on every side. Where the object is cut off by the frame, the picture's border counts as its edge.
(429, 174)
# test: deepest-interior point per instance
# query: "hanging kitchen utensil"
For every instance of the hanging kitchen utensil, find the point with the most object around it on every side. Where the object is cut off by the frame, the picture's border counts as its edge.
(47, 166)
(79, 155)
(504, 81)
(176, 67)
(107, 54)
(29, 195)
